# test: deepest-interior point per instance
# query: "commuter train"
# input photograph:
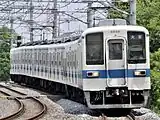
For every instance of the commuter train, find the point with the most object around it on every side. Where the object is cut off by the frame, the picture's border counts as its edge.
(105, 67)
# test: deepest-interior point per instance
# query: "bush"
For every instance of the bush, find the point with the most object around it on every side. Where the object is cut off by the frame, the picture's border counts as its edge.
(155, 81)
(155, 91)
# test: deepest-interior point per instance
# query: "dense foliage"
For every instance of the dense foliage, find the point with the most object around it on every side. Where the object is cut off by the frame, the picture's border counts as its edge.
(4, 53)
(148, 15)
(155, 78)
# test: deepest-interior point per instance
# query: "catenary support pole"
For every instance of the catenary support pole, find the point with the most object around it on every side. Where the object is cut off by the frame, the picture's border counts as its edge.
(89, 16)
(132, 12)
(54, 34)
(11, 29)
(31, 21)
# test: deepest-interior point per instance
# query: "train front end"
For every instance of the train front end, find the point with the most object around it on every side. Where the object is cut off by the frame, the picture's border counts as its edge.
(116, 67)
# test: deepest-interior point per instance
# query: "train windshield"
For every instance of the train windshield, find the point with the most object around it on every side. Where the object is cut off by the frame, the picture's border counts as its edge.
(136, 47)
(94, 49)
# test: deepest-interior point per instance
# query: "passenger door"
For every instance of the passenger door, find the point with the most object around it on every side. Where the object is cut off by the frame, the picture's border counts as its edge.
(116, 62)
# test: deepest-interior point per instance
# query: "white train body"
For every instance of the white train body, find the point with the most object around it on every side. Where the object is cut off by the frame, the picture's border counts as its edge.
(109, 64)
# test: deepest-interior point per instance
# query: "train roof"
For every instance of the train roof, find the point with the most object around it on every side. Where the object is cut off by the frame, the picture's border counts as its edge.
(118, 27)
(48, 46)
(76, 35)
(68, 37)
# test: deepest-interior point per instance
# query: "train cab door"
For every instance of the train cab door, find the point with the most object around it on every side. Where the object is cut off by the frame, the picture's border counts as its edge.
(116, 62)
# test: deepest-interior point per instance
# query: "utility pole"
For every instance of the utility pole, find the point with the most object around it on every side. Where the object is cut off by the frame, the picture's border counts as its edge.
(11, 32)
(132, 12)
(54, 34)
(89, 15)
(31, 21)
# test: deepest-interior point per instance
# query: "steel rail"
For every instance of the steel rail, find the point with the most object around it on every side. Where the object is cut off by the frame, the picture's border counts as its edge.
(131, 116)
(43, 111)
(43, 106)
(18, 112)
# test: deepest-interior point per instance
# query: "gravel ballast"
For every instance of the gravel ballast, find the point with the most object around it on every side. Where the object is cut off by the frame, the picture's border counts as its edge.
(7, 107)
(145, 114)
(74, 107)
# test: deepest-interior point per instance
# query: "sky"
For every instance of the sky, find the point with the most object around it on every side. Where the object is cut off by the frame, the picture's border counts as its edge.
(68, 26)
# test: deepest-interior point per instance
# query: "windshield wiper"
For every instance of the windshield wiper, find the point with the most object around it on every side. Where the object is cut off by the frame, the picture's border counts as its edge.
(141, 60)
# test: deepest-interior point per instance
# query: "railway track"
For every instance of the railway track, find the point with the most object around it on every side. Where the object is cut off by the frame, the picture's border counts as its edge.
(16, 113)
(130, 116)
(22, 98)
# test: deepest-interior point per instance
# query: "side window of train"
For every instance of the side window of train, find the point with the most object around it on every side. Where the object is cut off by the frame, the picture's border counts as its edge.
(75, 58)
(46, 57)
(36, 62)
(40, 57)
(30, 56)
(62, 61)
(66, 59)
(69, 59)
(31, 53)
(26, 56)
(49, 59)
(43, 55)
(52, 58)
(60, 58)
(35, 56)
(55, 58)
(50, 63)
(72, 59)
(58, 55)
(19, 57)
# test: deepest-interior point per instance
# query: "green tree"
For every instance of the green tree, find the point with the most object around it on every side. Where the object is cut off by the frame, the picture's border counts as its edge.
(155, 81)
(4, 53)
(148, 16)
(114, 14)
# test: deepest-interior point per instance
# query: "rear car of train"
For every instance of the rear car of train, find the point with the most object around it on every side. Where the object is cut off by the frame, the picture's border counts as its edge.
(116, 68)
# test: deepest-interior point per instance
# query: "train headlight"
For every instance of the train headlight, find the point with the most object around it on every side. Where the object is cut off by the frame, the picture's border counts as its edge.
(92, 74)
(140, 73)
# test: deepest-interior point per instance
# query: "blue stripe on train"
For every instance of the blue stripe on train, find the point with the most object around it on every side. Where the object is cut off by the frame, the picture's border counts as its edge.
(118, 73)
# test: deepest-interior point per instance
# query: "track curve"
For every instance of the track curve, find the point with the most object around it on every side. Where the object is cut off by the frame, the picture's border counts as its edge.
(43, 106)
(18, 112)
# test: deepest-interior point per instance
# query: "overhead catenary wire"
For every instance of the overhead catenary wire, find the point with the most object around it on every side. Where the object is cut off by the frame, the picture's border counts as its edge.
(20, 10)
